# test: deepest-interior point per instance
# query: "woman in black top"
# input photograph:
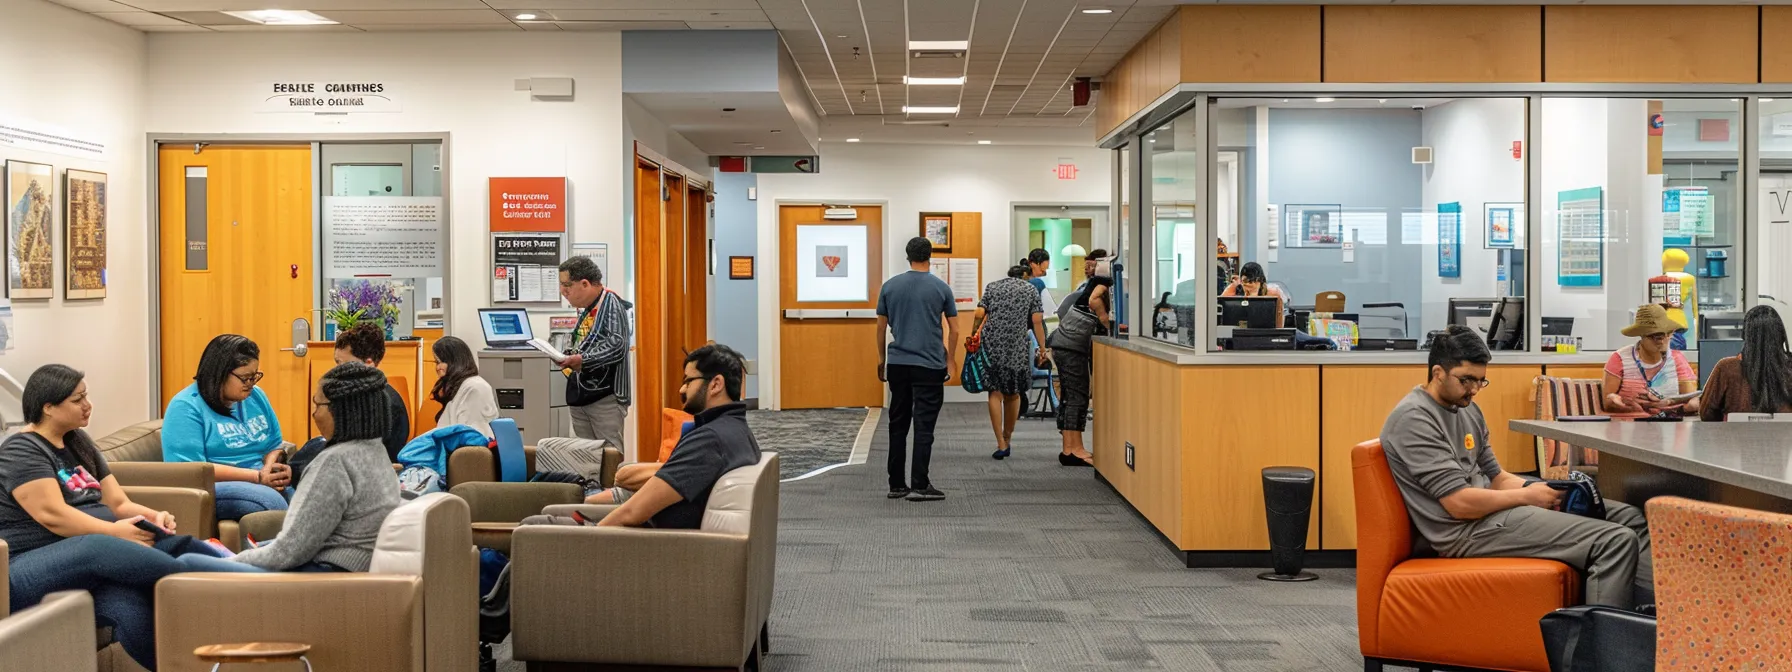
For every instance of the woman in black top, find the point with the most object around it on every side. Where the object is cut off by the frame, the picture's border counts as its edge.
(1073, 369)
(68, 524)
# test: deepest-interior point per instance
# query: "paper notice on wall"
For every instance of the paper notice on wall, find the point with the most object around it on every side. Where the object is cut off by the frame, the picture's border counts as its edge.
(964, 281)
(398, 236)
(525, 268)
(939, 270)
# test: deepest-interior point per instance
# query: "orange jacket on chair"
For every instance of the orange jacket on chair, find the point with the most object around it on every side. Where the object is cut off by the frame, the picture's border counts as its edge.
(1471, 612)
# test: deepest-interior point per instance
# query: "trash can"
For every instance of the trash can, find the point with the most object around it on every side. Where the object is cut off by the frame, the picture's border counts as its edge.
(1288, 502)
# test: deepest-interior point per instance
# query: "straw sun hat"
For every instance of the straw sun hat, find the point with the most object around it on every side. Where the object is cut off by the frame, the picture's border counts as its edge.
(1652, 319)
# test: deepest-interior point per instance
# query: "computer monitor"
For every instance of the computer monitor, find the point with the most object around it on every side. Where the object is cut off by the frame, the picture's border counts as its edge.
(1254, 312)
(505, 328)
(1558, 326)
(1506, 330)
(1476, 313)
(1712, 350)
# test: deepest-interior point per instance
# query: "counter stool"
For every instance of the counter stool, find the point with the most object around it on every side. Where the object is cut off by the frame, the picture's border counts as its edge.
(253, 652)
(1288, 502)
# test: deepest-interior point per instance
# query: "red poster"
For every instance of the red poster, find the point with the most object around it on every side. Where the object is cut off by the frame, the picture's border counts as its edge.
(531, 204)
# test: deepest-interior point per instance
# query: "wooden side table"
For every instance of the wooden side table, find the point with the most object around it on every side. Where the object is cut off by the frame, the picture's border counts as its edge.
(253, 652)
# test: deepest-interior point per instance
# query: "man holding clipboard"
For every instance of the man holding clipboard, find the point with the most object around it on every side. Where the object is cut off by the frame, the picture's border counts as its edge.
(596, 366)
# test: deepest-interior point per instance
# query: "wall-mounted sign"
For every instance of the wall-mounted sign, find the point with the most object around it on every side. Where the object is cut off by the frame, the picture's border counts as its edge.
(399, 236)
(525, 268)
(328, 97)
(1066, 169)
(528, 204)
(740, 268)
(784, 164)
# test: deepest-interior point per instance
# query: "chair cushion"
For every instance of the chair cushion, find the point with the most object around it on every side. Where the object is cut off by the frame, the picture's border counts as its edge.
(141, 442)
(1473, 612)
(731, 500)
(399, 549)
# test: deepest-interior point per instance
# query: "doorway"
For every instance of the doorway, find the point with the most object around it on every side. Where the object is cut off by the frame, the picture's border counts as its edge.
(1055, 228)
(829, 274)
(671, 288)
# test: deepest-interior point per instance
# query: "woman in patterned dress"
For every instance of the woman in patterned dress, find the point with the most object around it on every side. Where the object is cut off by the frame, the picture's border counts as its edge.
(1009, 307)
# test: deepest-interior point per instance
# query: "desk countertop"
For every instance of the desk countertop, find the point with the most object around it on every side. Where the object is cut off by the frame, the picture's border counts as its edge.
(1182, 355)
(1751, 455)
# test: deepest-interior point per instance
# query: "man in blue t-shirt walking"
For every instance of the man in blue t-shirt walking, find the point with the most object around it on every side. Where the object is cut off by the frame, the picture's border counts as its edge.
(912, 305)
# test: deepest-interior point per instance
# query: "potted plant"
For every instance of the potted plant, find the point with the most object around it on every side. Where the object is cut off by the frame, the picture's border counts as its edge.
(355, 301)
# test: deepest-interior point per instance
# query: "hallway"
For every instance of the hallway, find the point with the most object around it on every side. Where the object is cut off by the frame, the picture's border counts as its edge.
(1025, 566)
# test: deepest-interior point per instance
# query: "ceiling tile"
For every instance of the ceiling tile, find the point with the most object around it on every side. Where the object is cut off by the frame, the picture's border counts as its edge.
(454, 17)
(185, 28)
(539, 26)
(312, 5)
(252, 28)
(607, 26)
(94, 6)
(444, 28)
(657, 15)
(137, 19)
(715, 25)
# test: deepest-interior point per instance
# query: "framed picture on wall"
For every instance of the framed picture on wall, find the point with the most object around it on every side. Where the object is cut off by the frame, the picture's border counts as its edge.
(1503, 221)
(84, 235)
(1449, 240)
(1314, 225)
(30, 259)
(936, 227)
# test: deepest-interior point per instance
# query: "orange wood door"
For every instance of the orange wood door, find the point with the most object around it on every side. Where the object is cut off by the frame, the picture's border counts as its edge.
(251, 270)
(826, 363)
(696, 269)
(678, 306)
(650, 306)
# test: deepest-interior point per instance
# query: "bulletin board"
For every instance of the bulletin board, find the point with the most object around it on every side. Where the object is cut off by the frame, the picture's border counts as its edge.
(967, 245)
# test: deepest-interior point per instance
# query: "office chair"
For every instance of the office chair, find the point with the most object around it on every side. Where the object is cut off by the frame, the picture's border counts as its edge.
(1044, 403)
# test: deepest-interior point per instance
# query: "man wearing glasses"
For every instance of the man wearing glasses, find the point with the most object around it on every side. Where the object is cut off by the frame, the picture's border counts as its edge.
(1465, 506)
(596, 366)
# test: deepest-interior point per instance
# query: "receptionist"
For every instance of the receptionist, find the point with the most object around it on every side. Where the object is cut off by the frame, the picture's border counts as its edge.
(1252, 282)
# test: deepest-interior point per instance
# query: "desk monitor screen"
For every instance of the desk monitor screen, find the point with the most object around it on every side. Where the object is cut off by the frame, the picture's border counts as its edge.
(505, 327)
(1506, 330)
(1476, 313)
(1254, 312)
(1712, 350)
(1558, 326)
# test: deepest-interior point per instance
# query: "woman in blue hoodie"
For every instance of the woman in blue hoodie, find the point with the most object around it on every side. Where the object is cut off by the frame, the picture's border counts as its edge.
(224, 419)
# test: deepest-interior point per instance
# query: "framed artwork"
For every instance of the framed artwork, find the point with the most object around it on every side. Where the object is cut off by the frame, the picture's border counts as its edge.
(740, 268)
(831, 263)
(1314, 225)
(1580, 231)
(1503, 221)
(84, 235)
(30, 257)
(1449, 240)
(937, 228)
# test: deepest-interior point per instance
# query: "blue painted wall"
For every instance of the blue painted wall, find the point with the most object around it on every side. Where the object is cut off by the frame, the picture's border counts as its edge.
(734, 317)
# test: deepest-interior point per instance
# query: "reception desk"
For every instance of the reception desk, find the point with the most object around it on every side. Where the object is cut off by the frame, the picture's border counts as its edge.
(1203, 425)
(1746, 464)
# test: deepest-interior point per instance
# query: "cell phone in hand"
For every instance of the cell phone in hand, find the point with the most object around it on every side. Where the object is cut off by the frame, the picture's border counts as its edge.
(154, 529)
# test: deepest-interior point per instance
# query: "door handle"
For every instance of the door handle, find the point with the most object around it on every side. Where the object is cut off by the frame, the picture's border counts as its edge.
(298, 350)
(301, 337)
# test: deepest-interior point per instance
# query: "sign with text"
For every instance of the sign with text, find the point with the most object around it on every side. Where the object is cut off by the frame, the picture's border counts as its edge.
(525, 268)
(328, 97)
(1066, 169)
(528, 204)
(399, 236)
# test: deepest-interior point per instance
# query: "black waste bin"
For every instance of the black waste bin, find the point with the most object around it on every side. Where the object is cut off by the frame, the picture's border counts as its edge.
(1288, 502)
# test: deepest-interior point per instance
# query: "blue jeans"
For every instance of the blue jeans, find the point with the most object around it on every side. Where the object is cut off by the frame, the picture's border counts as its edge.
(241, 498)
(120, 574)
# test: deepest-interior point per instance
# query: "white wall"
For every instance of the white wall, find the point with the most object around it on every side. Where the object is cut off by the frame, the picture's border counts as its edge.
(1473, 165)
(916, 178)
(458, 83)
(640, 125)
(84, 75)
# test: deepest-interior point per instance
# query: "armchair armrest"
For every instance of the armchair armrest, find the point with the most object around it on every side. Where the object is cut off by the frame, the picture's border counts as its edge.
(589, 511)
(352, 621)
(194, 509)
(57, 634)
(492, 502)
(261, 525)
(199, 475)
(698, 590)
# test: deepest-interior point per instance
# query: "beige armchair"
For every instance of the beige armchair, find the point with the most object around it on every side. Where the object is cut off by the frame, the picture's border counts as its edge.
(477, 464)
(57, 634)
(498, 507)
(416, 610)
(134, 454)
(704, 606)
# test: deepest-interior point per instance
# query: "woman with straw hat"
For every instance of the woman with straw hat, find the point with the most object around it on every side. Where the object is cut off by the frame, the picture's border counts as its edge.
(1640, 379)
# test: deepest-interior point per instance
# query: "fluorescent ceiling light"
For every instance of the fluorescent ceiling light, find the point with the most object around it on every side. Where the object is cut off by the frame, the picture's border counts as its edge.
(1098, 11)
(1324, 100)
(910, 109)
(525, 17)
(933, 81)
(983, 142)
(947, 45)
(852, 139)
(283, 17)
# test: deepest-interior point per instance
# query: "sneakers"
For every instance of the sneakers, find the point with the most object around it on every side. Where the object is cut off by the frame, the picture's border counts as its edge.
(927, 494)
(898, 493)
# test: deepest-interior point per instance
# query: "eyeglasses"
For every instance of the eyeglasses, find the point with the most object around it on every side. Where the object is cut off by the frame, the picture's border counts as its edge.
(687, 381)
(250, 379)
(1473, 383)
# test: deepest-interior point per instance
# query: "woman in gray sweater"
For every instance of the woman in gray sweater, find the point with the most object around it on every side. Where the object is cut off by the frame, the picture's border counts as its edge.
(348, 488)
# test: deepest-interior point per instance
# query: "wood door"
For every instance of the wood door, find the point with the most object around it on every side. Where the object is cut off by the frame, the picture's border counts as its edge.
(828, 363)
(677, 295)
(696, 269)
(650, 306)
(235, 250)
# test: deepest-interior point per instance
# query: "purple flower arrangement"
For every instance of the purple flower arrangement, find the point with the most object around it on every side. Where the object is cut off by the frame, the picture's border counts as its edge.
(355, 301)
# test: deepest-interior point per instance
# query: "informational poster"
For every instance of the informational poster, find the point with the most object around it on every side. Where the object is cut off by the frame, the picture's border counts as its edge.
(1449, 240)
(599, 253)
(527, 204)
(525, 268)
(397, 236)
(831, 263)
(1502, 224)
(940, 270)
(1686, 211)
(964, 281)
(84, 235)
(1580, 231)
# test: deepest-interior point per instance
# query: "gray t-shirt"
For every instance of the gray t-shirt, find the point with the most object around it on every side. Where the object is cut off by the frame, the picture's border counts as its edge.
(1435, 450)
(914, 302)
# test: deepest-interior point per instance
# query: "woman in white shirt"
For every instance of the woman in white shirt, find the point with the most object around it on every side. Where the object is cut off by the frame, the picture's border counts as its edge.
(465, 397)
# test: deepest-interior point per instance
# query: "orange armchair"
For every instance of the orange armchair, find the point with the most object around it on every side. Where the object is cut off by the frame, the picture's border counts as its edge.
(671, 427)
(1475, 613)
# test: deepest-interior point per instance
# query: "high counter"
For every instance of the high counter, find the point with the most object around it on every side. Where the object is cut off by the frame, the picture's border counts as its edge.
(1202, 425)
(1746, 464)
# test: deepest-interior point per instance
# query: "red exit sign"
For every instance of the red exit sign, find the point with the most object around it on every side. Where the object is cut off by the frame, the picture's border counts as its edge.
(1066, 171)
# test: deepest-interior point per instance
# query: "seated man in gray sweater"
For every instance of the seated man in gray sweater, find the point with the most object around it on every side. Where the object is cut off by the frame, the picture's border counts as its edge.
(348, 488)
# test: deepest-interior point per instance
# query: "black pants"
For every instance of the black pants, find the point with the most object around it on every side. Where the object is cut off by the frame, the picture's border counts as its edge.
(1073, 389)
(915, 395)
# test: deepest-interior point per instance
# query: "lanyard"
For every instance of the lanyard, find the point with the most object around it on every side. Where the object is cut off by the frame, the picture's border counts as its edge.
(1648, 380)
(592, 313)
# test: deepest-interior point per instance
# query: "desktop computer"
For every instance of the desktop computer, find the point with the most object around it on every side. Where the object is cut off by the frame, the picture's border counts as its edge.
(1251, 312)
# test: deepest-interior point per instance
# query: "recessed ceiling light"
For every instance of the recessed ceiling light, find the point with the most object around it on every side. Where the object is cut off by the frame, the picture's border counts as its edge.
(525, 17)
(945, 45)
(742, 142)
(283, 17)
(1098, 10)
(982, 142)
(933, 81)
(852, 139)
(923, 109)
(760, 147)
(1382, 101)
(1324, 100)
(1284, 100)
(842, 37)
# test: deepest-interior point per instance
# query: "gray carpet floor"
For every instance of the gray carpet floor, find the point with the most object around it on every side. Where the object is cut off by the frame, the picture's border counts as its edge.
(808, 439)
(1025, 566)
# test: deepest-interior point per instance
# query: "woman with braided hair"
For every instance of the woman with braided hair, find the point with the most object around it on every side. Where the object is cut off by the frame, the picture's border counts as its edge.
(349, 487)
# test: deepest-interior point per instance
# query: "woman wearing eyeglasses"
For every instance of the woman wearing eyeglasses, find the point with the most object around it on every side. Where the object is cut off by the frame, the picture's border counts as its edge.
(1642, 379)
(224, 419)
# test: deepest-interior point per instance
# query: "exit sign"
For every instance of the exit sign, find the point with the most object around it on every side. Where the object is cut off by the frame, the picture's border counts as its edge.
(1066, 169)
